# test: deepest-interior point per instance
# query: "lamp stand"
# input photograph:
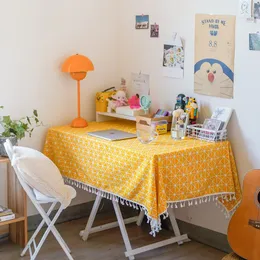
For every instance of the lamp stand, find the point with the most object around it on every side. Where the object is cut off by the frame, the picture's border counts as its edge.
(79, 122)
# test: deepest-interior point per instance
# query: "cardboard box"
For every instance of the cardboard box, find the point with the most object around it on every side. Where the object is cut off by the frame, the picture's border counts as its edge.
(145, 123)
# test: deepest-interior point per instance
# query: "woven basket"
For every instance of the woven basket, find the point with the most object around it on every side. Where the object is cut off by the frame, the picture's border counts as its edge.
(232, 256)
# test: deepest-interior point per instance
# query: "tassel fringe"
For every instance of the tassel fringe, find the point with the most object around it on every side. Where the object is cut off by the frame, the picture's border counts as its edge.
(156, 223)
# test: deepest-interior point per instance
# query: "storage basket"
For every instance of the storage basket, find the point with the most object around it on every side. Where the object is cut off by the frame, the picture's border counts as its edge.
(198, 132)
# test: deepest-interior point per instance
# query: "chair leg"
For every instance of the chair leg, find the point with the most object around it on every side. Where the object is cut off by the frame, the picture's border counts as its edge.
(32, 239)
(37, 249)
(50, 227)
(85, 233)
(122, 228)
(37, 230)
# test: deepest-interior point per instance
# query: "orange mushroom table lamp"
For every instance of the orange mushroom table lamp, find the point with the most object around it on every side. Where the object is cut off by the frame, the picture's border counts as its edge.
(78, 66)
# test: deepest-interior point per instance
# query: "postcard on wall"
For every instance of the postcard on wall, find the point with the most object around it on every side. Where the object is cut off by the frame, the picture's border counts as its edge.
(142, 22)
(140, 85)
(154, 31)
(254, 41)
(245, 8)
(214, 55)
(173, 58)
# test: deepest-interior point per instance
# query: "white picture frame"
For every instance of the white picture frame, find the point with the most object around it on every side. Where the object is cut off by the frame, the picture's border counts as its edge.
(223, 114)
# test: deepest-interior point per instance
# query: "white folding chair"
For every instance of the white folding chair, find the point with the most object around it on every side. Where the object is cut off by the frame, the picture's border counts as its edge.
(38, 199)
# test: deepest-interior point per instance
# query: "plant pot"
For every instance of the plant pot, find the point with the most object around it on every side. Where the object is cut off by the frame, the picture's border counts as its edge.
(13, 140)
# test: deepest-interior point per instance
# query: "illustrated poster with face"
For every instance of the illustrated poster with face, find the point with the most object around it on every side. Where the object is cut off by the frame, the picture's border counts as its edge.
(214, 55)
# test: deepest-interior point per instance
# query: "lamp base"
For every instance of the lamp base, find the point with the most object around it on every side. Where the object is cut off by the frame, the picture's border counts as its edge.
(79, 123)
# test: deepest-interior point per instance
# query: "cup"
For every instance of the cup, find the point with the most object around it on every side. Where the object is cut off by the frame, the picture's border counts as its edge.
(146, 136)
(177, 133)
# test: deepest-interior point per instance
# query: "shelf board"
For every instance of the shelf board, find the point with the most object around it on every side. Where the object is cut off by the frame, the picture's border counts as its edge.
(115, 115)
(18, 218)
(4, 159)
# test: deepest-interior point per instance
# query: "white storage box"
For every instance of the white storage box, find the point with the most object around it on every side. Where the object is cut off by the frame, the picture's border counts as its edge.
(127, 111)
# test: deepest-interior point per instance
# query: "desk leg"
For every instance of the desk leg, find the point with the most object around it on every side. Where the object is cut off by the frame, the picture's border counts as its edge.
(140, 218)
(174, 224)
(17, 201)
(85, 233)
(123, 229)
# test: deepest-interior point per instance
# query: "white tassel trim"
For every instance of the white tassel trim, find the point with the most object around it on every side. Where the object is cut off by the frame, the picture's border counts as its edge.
(156, 223)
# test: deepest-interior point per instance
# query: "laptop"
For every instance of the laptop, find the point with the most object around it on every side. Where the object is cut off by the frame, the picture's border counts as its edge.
(112, 135)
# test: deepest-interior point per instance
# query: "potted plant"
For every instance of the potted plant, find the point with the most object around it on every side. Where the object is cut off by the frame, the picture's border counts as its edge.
(15, 130)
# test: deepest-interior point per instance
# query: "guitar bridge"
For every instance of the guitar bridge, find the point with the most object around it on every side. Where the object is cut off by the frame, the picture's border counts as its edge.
(254, 223)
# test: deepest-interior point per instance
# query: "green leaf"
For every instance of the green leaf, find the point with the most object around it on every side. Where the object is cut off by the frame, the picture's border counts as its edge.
(28, 119)
(7, 120)
(35, 112)
(37, 120)
(1, 107)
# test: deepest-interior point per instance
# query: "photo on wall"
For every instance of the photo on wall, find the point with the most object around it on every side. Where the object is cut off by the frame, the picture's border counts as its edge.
(173, 61)
(142, 22)
(257, 10)
(214, 55)
(254, 41)
(154, 31)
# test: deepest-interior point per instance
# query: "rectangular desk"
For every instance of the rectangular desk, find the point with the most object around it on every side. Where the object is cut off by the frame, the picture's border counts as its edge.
(154, 178)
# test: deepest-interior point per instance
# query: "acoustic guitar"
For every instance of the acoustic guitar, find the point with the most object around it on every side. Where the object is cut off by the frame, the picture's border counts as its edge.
(244, 227)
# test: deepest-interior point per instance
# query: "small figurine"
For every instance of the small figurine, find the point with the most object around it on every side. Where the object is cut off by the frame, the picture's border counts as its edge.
(180, 102)
(123, 85)
(117, 100)
(192, 110)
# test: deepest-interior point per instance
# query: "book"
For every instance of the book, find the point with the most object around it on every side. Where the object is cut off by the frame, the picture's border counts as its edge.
(8, 217)
(5, 211)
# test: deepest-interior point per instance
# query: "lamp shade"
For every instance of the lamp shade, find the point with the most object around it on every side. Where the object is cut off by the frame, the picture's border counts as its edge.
(77, 63)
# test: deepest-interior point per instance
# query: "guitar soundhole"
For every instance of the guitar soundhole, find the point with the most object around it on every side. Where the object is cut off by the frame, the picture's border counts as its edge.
(258, 198)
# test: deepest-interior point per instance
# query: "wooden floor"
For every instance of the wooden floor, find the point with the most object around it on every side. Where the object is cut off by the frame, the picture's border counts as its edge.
(108, 245)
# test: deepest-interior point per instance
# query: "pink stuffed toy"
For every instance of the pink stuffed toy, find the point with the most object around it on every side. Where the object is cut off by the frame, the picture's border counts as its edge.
(117, 100)
(134, 102)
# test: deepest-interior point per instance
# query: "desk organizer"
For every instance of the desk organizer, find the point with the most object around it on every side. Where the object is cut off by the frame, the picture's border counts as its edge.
(198, 132)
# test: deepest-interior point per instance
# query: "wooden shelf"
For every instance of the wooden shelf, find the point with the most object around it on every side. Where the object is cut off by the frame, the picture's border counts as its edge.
(4, 159)
(114, 115)
(18, 218)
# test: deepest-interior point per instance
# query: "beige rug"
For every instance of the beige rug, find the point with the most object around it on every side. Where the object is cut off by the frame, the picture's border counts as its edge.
(232, 256)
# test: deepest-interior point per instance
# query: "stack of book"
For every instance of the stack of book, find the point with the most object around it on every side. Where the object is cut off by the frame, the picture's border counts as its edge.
(6, 214)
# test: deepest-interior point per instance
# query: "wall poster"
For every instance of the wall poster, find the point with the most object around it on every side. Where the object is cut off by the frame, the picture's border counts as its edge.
(214, 55)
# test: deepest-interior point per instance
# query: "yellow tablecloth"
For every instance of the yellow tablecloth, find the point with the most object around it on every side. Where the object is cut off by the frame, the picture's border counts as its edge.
(155, 176)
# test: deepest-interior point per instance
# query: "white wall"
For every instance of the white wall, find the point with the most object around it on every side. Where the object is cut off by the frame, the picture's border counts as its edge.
(140, 52)
(36, 37)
